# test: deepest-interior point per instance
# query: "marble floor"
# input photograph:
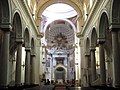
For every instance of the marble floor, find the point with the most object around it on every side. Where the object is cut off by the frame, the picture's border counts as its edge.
(51, 87)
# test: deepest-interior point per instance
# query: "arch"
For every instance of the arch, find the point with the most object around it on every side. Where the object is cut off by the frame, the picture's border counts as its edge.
(93, 38)
(27, 38)
(17, 25)
(115, 12)
(87, 46)
(60, 68)
(56, 30)
(103, 25)
(5, 13)
(50, 2)
(60, 65)
(108, 36)
(66, 20)
(15, 33)
(60, 73)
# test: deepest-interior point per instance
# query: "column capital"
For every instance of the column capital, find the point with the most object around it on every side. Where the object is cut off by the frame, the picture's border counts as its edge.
(6, 26)
(114, 27)
(87, 54)
(92, 49)
(19, 40)
(33, 54)
(101, 40)
(27, 49)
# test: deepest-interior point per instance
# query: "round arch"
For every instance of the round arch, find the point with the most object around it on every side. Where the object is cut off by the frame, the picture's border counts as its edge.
(17, 25)
(66, 20)
(93, 38)
(103, 25)
(107, 35)
(63, 74)
(60, 65)
(27, 38)
(50, 2)
(16, 33)
(5, 13)
(64, 30)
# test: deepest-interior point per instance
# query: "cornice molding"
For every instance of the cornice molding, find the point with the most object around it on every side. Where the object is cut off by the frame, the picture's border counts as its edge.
(30, 16)
(89, 16)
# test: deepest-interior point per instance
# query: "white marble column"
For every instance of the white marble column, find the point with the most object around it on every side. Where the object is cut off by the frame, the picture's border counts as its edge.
(116, 58)
(27, 66)
(18, 64)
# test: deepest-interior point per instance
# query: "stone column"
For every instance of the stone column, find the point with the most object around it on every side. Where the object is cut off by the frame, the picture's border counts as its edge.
(87, 55)
(5, 58)
(18, 63)
(102, 61)
(27, 66)
(116, 58)
(93, 64)
(32, 69)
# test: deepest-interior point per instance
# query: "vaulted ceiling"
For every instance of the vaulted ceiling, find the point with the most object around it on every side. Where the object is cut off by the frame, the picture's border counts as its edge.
(64, 30)
(60, 35)
(55, 29)
(43, 4)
